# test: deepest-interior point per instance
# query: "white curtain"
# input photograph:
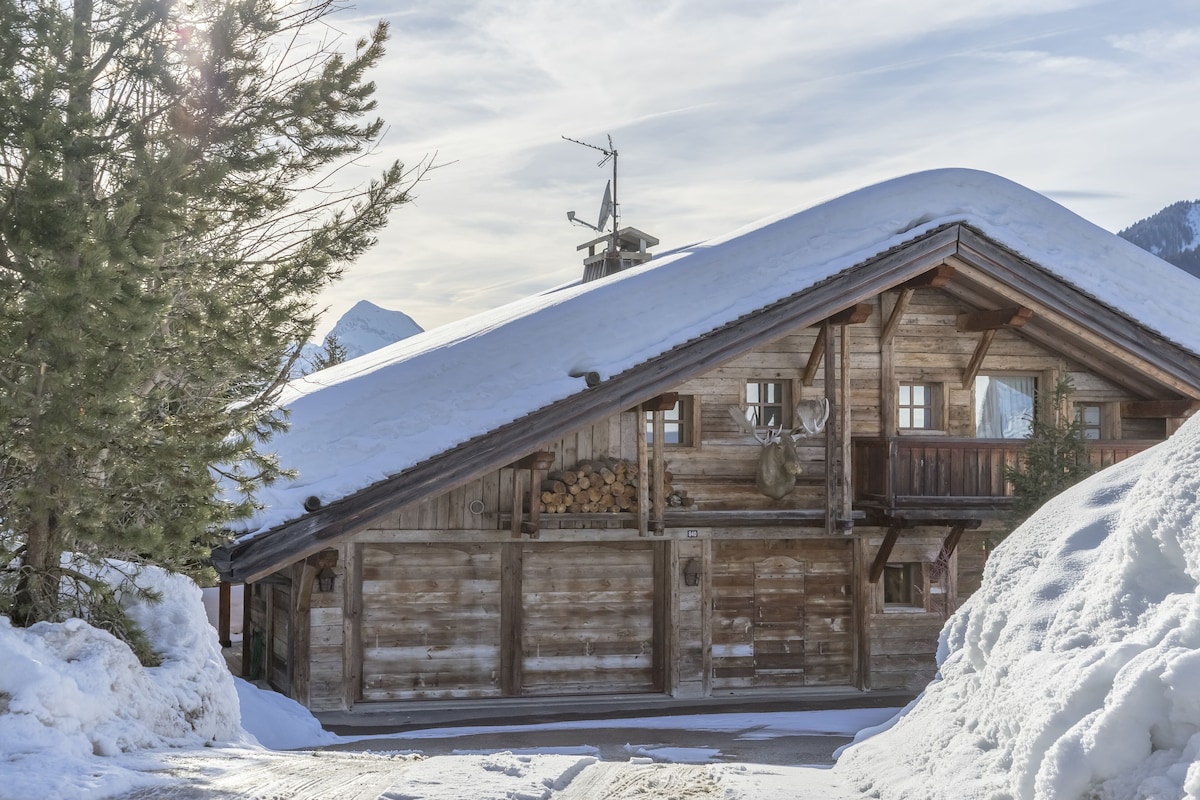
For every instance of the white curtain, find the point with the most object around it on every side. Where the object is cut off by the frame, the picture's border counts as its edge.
(1004, 406)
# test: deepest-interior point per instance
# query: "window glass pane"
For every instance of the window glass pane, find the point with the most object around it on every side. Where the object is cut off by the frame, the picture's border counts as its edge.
(905, 394)
(919, 420)
(918, 393)
(674, 426)
(906, 418)
(1004, 406)
(1091, 415)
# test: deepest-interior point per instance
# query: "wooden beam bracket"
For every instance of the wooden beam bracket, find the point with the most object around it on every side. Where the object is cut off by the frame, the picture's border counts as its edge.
(885, 552)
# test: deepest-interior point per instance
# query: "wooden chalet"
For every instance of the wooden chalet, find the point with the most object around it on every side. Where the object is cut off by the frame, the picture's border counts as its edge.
(614, 539)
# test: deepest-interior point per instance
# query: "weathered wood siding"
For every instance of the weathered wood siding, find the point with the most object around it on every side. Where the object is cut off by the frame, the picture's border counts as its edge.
(781, 613)
(430, 621)
(589, 612)
(440, 600)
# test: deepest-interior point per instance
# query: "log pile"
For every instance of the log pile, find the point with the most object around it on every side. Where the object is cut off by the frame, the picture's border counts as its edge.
(604, 486)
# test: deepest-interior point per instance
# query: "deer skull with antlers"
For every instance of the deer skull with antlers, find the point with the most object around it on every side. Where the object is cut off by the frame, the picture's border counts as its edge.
(779, 462)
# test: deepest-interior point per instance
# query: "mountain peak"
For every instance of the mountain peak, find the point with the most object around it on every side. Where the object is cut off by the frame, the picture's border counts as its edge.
(1172, 234)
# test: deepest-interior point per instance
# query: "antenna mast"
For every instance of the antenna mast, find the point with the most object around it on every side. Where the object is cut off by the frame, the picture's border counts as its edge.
(610, 152)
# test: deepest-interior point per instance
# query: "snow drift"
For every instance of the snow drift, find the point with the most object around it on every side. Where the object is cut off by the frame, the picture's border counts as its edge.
(1074, 672)
(69, 692)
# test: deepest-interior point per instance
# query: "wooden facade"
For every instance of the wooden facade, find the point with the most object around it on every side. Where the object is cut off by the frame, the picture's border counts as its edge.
(457, 580)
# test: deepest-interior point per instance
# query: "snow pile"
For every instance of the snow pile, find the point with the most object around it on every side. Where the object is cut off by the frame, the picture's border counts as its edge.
(369, 418)
(1074, 672)
(70, 692)
(278, 721)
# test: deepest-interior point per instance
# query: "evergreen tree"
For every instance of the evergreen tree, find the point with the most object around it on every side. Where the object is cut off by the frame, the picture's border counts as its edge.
(171, 203)
(332, 352)
(1055, 458)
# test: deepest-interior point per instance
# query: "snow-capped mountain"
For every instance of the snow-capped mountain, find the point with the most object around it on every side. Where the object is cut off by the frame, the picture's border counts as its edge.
(364, 328)
(1172, 234)
(367, 327)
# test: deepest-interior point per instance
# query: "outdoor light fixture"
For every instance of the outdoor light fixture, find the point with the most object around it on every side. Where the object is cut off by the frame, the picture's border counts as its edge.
(325, 579)
(691, 573)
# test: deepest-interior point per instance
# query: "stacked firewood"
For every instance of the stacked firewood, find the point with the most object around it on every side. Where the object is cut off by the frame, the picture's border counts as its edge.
(603, 485)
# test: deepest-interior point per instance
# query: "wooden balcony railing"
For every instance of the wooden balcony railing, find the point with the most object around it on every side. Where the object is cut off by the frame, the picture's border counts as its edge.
(909, 470)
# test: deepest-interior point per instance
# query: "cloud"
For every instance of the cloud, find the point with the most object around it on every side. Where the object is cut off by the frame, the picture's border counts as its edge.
(724, 113)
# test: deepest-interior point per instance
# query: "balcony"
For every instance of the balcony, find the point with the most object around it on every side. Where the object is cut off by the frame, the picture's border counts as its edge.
(941, 476)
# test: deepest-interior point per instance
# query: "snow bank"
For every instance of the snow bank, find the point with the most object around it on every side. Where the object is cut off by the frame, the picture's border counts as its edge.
(71, 694)
(1074, 672)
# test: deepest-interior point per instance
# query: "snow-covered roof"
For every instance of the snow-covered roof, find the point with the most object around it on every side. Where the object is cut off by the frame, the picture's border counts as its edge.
(367, 419)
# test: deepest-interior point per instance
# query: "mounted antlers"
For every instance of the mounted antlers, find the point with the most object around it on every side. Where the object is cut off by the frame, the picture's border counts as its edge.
(779, 463)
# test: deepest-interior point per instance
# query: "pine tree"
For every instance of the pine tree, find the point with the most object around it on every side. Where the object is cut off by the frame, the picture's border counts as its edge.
(332, 352)
(171, 203)
(1056, 457)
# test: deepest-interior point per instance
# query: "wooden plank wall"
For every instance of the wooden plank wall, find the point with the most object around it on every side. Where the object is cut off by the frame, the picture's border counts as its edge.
(430, 620)
(768, 598)
(589, 617)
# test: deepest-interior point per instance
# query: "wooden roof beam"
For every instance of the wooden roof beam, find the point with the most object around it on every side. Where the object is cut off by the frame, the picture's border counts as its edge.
(988, 322)
(893, 321)
(935, 278)
(814, 358)
(994, 319)
(1158, 409)
(664, 402)
(859, 312)
(855, 314)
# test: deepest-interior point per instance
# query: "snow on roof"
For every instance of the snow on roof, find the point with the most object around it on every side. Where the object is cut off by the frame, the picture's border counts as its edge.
(369, 418)
(1074, 671)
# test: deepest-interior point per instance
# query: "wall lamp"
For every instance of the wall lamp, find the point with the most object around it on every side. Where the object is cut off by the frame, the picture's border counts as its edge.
(691, 573)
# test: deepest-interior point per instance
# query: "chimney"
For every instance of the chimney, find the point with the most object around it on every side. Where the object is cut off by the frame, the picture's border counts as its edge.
(624, 249)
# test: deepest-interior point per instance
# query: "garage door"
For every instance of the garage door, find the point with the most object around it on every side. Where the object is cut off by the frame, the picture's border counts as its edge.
(430, 621)
(589, 615)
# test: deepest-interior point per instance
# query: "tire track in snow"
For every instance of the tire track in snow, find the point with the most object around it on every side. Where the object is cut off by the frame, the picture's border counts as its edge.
(627, 781)
(253, 775)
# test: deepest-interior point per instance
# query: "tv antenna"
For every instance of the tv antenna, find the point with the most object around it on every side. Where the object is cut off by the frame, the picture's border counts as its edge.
(608, 206)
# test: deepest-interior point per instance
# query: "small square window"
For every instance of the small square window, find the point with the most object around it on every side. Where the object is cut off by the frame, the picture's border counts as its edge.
(767, 404)
(1089, 417)
(677, 424)
(917, 406)
(904, 585)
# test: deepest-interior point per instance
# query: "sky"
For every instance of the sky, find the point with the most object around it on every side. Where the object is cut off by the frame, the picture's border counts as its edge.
(725, 113)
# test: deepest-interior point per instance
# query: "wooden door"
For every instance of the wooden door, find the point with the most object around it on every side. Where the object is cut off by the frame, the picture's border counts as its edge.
(758, 614)
(589, 612)
(778, 630)
(430, 621)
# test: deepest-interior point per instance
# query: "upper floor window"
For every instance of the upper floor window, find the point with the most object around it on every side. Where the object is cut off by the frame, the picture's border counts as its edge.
(678, 426)
(917, 406)
(1004, 406)
(767, 404)
(1089, 416)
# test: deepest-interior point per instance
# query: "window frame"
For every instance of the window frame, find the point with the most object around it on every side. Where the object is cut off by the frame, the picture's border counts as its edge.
(784, 404)
(934, 408)
(915, 575)
(1036, 405)
(688, 422)
(1079, 407)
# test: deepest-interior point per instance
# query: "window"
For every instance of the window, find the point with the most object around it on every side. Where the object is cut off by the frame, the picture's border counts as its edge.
(904, 585)
(678, 427)
(1088, 416)
(1004, 406)
(917, 407)
(767, 404)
